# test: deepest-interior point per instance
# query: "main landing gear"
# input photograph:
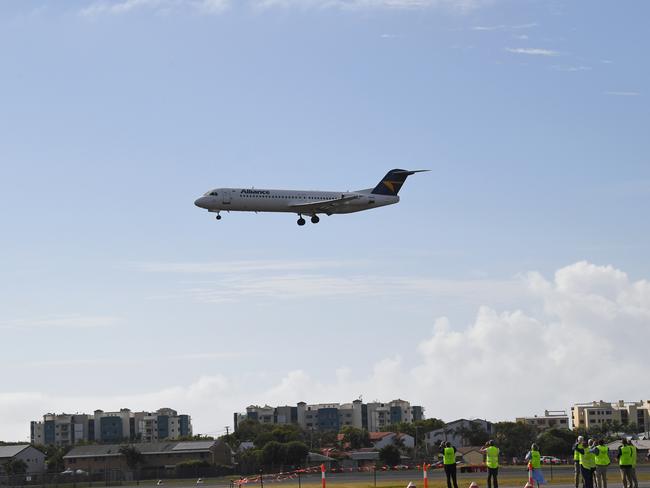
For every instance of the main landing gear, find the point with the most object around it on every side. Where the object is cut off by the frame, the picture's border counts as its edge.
(314, 219)
(218, 216)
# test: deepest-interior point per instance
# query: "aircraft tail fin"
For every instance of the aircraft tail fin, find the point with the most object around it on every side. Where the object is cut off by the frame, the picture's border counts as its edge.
(393, 181)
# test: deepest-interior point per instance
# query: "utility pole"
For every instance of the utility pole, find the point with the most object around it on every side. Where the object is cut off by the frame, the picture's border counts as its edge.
(227, 430)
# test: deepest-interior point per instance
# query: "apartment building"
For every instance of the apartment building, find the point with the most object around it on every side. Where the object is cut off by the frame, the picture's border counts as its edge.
(552, 419)
(105, 427)
(596, 413)
(372, 416)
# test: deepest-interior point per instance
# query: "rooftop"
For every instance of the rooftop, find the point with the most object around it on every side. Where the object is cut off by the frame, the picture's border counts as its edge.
(11, 451)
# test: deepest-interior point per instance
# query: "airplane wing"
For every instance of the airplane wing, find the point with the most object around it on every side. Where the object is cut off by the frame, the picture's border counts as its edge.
(323, 206)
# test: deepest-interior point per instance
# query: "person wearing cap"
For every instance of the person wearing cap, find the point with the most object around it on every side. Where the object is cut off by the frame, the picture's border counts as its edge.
(535, 463)
(633, 477)
(602, 461)
(587, 463)
(625, 463)
(576, 461)
(449, 462)
(492, 461)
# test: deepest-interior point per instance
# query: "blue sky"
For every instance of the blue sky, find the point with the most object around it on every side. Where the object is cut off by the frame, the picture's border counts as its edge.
(116, 291)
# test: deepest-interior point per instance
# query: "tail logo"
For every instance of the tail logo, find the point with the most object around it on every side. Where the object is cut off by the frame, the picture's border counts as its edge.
(393, 186)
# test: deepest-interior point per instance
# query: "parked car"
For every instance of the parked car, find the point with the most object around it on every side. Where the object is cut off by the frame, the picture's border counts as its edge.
(72, 472)
(550, 460)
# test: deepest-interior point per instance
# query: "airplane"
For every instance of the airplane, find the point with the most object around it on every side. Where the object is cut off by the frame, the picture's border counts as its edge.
(307, 202)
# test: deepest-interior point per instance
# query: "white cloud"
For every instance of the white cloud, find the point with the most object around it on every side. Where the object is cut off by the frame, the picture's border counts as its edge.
(587, 331)
(459, 5)
(117, 7)
(504, 27)
(241, 280)
(235, 267)
(572, 69)
(114, 7)
(292, 286)
(532, 51)
(623, 93)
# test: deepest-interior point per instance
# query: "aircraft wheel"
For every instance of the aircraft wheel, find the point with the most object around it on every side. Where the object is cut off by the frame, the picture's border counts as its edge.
(218, 217)
(301, 221)
(315, 219)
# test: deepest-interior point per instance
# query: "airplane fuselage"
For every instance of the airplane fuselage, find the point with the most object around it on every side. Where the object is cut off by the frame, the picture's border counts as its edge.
(269, 200)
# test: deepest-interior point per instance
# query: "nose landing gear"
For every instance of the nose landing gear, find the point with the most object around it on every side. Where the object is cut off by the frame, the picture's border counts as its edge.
(218, 216)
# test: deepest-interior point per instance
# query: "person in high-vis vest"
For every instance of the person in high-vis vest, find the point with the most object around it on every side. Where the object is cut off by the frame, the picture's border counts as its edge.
(625, 463)
(535, 459)
(492, 462)
(602, 461)
(633, 477)
(587, 465)
(449, 462)
(576, 461)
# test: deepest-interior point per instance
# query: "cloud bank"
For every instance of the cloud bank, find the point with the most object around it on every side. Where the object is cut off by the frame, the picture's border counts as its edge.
(532, 51)
(117, 7)
(585, 336)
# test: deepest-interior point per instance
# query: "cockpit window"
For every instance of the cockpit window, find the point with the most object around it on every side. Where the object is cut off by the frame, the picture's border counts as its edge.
(212, 193)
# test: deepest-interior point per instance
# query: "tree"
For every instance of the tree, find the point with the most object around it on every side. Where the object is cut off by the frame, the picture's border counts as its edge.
(249, 460)
(262, 439)
(274, 454)
(249, 429)
(390, 455)
(418, 428)
(474, 435)
(15, 466)
(296, 453)
(54, 457)
(357, 438)
(134, 458)
(556, 442)
(287, 433)
(514, 438)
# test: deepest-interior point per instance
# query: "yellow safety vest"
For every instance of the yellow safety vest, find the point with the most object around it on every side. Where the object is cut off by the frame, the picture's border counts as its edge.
(602, 458)
(626, 456)
(449, 456)
(633, 447)
(535, 459)
(492, 457)
(588, 459)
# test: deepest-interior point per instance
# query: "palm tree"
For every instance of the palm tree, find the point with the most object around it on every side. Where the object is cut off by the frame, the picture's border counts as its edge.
(134, 458)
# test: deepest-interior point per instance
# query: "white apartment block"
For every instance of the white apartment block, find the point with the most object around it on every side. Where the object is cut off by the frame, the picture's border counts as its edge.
(373, 416)
(123, 425)
(552, 419)
(596, 413)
